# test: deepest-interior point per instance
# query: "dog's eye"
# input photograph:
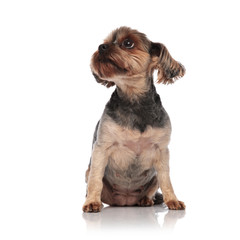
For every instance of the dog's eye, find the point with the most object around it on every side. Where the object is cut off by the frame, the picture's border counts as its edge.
(127, 43)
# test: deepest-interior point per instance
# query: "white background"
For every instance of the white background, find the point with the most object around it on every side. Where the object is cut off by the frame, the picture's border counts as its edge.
(50, 104)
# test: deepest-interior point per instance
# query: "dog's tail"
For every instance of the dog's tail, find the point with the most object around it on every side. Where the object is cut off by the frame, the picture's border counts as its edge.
(158, 199)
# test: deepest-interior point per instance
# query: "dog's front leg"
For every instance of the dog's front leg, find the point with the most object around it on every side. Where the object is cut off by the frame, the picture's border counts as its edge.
(94, 185)
(162, 167)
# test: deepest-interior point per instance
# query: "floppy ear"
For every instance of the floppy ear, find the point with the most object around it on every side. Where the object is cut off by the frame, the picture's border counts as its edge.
(169, 69)
(106, 83)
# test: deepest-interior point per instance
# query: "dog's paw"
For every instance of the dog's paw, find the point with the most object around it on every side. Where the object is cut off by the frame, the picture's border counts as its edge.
(145, 202)
(175, 205)
(92, 207)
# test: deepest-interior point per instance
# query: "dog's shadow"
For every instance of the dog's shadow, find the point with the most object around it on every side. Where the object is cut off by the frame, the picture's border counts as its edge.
(156, 217)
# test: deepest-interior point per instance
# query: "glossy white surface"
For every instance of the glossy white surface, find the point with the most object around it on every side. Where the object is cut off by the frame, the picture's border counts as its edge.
(133, 218)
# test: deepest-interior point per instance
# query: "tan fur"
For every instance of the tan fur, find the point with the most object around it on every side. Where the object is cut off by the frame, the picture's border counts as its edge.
(165, 64)
(119, 151)
(87, 174)
(134, 87)
(137, 62)
(124, 144)
(120, 147)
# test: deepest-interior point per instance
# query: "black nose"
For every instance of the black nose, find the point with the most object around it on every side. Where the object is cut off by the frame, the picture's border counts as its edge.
(102, 48)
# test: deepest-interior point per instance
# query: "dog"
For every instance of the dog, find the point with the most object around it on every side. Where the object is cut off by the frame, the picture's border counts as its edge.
(130, 156)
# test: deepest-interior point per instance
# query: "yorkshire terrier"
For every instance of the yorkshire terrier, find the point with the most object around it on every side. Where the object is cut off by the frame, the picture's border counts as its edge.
(130, 156)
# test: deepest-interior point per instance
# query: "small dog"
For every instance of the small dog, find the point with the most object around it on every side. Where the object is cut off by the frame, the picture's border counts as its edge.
(130, 156)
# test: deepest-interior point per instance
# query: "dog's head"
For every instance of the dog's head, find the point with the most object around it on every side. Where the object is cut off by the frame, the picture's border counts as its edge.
(126, 54)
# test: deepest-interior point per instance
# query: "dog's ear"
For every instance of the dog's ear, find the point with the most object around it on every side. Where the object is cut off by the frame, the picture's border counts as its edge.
(169, 69)
(106, 83)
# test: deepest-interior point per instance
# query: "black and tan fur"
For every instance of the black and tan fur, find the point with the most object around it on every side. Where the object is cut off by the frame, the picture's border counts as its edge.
(130, 156)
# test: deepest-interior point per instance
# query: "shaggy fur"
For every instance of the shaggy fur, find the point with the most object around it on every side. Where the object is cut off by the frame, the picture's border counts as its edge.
(130, 156)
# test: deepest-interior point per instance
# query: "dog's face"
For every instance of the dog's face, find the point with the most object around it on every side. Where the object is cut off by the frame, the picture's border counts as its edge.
(127, 54)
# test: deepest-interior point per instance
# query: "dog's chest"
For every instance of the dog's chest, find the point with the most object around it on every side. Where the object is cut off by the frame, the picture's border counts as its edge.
(131, 150)
(137, 146)
(132, 153)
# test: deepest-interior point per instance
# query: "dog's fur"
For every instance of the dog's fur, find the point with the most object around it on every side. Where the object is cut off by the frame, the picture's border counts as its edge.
(130, 157)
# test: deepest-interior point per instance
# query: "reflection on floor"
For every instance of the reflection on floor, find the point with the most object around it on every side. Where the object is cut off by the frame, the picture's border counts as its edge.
(156, 217)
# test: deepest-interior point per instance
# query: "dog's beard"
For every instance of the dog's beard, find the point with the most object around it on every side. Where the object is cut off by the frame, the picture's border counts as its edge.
(108, 66)
(117, 63)
(118, 69)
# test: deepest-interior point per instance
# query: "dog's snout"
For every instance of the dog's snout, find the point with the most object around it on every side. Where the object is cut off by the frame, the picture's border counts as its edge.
(102, 48)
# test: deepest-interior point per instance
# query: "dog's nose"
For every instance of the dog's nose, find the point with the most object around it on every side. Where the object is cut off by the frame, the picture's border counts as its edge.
(102, 48)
